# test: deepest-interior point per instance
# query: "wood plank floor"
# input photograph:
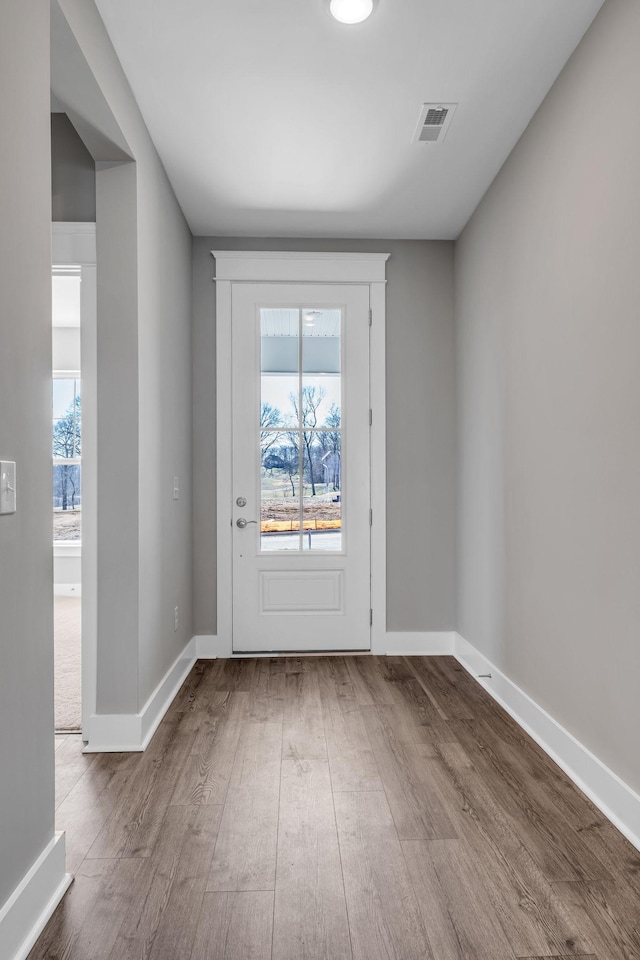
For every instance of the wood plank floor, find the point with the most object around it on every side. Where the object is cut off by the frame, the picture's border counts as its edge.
(334, 808)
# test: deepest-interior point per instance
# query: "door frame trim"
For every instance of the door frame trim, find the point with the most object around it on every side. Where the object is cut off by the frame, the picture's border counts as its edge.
(75, 243)
(248, 266)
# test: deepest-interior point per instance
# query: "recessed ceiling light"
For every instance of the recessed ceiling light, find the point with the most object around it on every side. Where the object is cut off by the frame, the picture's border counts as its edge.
(351, 11)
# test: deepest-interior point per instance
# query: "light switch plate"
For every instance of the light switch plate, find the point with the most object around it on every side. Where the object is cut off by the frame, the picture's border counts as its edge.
(7, 486)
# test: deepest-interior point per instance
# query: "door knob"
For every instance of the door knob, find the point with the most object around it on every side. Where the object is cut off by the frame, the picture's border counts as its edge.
(242, 523)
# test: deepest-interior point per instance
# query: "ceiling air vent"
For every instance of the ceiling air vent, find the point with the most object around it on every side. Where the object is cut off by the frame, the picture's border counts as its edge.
(434, 122)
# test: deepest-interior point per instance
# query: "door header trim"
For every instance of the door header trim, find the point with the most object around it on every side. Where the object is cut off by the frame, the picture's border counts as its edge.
(299, 266)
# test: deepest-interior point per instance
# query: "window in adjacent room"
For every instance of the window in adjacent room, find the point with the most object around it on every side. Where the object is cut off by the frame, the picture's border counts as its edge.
(67, 453)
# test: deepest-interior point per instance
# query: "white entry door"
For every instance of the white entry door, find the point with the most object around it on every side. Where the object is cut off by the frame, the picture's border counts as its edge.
(301, 467)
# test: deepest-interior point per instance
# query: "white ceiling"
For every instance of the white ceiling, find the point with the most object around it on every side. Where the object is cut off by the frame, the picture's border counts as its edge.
(272, 119)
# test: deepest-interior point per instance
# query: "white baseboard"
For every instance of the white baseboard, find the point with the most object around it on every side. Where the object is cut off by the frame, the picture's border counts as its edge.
(617, 801)
(209, 647)
(26, 912)
(67, 590)
(435, 643)
(431, 644)
(130, 732)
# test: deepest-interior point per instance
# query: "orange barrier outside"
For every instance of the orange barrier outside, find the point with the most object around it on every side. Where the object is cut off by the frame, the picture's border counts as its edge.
(292, 526)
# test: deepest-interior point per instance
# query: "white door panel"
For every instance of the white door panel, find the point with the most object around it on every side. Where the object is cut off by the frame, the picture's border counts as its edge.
(301, 467)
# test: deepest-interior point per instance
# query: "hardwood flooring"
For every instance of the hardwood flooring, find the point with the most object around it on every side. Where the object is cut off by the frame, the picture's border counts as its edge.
(336, 808)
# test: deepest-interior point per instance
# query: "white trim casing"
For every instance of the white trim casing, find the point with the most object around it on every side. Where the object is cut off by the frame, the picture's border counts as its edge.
(223, 463)
(210, 647)
(245, 266)
(617, 801)
(75, 243)
(67, 589)
(273, 266)
(436, 643)
(37, 895)
(378, 456)
(67, 548)
(392, 644)
(131, 732)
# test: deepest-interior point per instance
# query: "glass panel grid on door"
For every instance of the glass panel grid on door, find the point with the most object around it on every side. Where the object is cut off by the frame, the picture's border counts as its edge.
(301, 430)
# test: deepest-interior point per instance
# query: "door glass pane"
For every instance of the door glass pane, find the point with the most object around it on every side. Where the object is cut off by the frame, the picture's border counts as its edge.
(322, 500)
(300, 429)
(280, 362)
(279, 429)
(321, 401)
(280, 497)
(321, 381)
(322, 412)
(277, 408)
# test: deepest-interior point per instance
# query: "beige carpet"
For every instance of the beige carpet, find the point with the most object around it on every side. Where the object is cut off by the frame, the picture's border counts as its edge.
(67, 633)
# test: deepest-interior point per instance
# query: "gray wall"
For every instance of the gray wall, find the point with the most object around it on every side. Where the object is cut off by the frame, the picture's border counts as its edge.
(73, 174)
(26, 637)
(420, 427)
(144, 354)
(548, 340)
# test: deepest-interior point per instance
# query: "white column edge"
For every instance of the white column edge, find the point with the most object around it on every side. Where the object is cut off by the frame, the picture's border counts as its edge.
(132, 732)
